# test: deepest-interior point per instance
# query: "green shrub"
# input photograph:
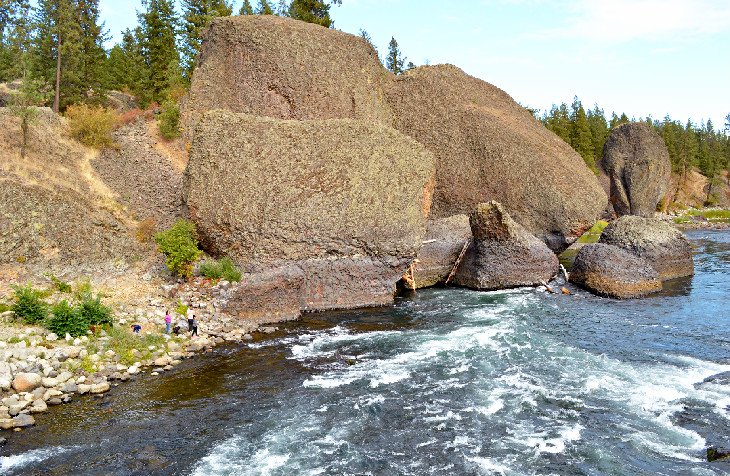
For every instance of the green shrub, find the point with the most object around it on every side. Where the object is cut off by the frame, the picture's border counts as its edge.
(180, 248)
(94, 312)
(60, 286)
(28, 304)
(181, 309)
(225, 268)
(91, 125)
(169, 120)
(67, 319)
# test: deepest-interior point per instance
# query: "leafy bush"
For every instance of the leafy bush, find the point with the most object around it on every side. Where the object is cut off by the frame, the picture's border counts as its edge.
(180, 248)
(60, 286)
(94, 312)
(66, 318)
(91, 125)
(181, 309)
(225, 268)
(28, 304)
(146, 230)
(76, 319)
(169, 120)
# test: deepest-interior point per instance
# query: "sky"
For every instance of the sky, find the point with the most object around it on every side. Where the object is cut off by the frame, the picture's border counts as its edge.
(641, 57)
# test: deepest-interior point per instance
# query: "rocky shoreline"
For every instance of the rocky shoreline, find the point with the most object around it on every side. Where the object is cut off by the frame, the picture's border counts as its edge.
(39, 369)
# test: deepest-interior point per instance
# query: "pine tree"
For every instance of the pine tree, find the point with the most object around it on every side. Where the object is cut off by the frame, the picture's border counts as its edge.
(312, 11)
(394, 61)
(158, 26)
(580, 137)
(246, 8)
(126, 68)
(58, 51)
(558, 121)
(197, 15)
(93, 56)
(15, 39)
(599, 130)
(264, 8)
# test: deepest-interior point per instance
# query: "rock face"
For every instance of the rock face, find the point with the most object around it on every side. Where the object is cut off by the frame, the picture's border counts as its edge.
(55, 213)
(637, 162)
(503, 254)
(444, 241)
(344, 201)
(488, 147)
(287, 69)
(663, 246)
(613, 272)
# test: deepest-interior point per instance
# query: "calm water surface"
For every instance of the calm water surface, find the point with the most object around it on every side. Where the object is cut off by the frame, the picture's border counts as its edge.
(449, 382)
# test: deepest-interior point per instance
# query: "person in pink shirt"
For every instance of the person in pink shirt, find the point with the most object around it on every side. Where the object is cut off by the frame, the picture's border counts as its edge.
(168, 321)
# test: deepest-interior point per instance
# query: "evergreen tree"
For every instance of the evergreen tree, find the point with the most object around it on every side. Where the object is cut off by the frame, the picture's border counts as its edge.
(312, 11)
(158, 25)
(558, 121)
(394, 61)
(15, 39)
(581, 138)
(264, 8)
(246, 8)
(58, 51)
(93, 72)
(126, 68)
(197, 14)
(599, 130)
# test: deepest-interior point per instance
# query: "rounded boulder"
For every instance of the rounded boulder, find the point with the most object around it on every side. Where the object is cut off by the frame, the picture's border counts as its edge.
(661, 244)
(610, 271)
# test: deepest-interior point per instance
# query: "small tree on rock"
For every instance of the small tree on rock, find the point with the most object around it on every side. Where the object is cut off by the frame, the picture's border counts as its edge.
(24, 104)
(394, 61)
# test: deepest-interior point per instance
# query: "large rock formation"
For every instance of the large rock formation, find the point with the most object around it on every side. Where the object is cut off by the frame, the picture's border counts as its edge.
(637, 162)
(345, 201)
(503, 254)
(444, 242)
(488, 147)
(661, 244)
(613, 272)
(278, 67)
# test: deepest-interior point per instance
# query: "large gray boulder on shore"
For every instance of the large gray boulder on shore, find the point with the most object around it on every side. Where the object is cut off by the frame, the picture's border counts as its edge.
(637, 162)
(502, 253)
(613, 272)
(344, 201)
(661, 244)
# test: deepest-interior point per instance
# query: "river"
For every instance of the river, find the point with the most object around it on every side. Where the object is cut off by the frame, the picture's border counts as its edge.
(447, 382)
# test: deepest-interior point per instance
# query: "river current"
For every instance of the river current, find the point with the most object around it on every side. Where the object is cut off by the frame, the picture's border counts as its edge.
(446, 382)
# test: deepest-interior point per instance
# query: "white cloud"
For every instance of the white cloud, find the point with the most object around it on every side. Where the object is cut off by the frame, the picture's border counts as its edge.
(627, 20)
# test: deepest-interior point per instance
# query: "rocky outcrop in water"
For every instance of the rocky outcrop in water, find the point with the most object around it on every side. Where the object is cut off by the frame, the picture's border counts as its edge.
(637, 162)
(613, 272)
(344, 201)
(502, 253)
(487, 146)
(662, 245)
(445, 239)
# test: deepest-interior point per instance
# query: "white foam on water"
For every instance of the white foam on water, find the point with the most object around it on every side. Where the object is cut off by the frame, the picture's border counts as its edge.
(490, 467)
(428, 349)
(19, 461)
